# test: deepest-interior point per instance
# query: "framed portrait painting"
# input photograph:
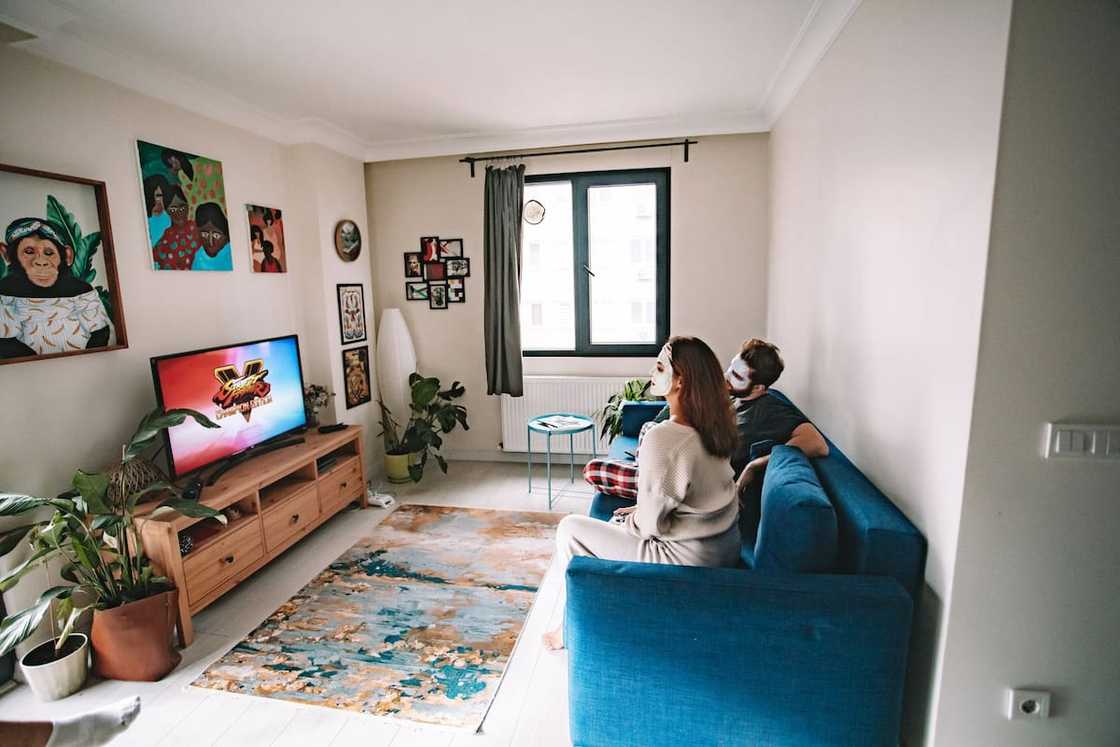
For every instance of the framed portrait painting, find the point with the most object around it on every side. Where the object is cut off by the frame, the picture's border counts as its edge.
(355, 368)
(413, 265)
(351, 313)
(59, 290)
(429, 248)
(185, 204)
(266, 239)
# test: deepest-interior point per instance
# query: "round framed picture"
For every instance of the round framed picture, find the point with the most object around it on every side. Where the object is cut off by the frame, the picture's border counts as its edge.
(347, 240)
(533, 212)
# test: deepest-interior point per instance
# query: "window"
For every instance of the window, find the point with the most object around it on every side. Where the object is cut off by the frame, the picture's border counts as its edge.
(595, 280)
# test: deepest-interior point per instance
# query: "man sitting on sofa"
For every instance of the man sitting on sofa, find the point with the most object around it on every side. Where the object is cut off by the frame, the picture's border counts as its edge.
(764, 421)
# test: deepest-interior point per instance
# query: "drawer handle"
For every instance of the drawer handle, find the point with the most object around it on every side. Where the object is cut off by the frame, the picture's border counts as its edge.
(343, 485)
(228, 560)
(295, 518)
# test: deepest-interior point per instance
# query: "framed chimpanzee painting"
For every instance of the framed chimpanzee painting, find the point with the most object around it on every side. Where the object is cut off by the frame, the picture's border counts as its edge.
(59, 291)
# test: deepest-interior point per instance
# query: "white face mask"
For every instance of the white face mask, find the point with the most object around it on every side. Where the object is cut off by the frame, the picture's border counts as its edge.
(738, 374)
(661, 376)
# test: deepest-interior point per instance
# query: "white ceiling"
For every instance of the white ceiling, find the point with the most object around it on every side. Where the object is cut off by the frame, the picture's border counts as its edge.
(381, 80)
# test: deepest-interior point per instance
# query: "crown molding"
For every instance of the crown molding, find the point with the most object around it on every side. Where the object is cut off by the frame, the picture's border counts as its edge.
(51, 24)
(822, 26)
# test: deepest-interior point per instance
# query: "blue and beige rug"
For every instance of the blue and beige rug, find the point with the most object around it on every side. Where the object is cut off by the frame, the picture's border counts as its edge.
(418, 620)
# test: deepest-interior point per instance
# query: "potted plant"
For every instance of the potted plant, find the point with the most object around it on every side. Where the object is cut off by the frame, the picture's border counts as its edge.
(92, 530)
(610, 417)
(432, 413)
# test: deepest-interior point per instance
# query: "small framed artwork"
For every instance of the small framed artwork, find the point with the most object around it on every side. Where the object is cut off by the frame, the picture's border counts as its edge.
(347, 240)
(429, 248)
(417, 291)
(437, 295)
(185, 205)
(351, 312)
(435, 271)
(450, 248)
(59, 291)
(458, 267)
(266, 239)
(355, 367)
(413, 265)
(456, 290)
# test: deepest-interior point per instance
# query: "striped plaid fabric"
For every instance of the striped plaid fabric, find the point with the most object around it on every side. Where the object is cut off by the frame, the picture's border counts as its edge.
(613, 476)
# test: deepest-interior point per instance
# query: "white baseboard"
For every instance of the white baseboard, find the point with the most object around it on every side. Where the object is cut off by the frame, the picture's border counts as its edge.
(520, 457)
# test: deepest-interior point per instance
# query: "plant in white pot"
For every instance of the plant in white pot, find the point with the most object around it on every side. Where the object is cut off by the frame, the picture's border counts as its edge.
(92, 531)
(433, 413)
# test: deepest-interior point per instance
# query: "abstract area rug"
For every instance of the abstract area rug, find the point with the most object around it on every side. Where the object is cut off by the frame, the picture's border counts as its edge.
(418, 620)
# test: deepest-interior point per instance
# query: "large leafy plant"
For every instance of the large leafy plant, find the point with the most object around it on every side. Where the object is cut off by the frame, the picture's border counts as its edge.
(610, 417)
(93, 531)
(433, 413)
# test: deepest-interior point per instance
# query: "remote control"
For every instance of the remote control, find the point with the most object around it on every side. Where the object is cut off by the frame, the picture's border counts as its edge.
(332, 428)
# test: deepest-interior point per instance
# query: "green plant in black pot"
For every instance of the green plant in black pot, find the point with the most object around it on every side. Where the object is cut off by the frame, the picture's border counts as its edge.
(610, 417)
(433, 414)
(92, 529)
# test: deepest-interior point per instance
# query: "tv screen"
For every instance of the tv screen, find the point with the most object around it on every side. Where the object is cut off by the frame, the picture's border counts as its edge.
(253, 390)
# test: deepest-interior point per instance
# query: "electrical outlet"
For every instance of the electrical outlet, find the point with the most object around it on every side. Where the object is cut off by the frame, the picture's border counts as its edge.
(1027, 704)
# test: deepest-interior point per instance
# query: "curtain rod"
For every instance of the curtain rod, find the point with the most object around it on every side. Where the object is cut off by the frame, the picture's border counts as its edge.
(472, 160)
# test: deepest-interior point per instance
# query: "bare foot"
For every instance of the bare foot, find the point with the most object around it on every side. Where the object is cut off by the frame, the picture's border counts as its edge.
(554, 639)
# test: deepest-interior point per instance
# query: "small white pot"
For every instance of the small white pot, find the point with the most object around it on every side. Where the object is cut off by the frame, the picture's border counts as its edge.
(51, 680)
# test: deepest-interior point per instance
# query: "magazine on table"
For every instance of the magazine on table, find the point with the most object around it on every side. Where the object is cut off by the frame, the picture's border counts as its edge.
(562, 421)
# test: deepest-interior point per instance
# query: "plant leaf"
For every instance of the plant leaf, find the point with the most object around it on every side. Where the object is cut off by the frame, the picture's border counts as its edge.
(12, 504)
(107, 522)
(155, 487)
(12, 577)
(71, 231)
(18, 627)
(424, 391)
(90, 243)
(155, 421)
(10, 538)
(93, 487)
(441, 462)
(194, 509)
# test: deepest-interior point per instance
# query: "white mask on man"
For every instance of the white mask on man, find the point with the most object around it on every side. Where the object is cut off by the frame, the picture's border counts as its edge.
(661, 375)
(738, 374)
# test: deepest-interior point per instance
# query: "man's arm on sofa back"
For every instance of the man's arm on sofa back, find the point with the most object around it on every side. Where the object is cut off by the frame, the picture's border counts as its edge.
(664, 654)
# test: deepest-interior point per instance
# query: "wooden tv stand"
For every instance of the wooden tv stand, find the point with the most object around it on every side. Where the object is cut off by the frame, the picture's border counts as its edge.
(281, 495)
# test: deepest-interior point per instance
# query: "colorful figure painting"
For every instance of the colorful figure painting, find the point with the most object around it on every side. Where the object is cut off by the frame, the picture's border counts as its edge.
(355, 366)
(59, 293)
(185, 201)
(266, 239)
(351, 312)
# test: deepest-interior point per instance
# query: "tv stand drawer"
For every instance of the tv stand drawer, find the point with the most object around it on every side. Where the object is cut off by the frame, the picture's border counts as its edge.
(215, 564)
(289, 517)
(341, 485)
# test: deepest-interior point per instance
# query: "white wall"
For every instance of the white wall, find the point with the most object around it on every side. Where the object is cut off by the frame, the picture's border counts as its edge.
(718, 238)
(1035, 594)
(882, 174)
(58, 415)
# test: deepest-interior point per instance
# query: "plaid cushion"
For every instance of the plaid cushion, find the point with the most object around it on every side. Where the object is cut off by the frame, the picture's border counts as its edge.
(613, 477)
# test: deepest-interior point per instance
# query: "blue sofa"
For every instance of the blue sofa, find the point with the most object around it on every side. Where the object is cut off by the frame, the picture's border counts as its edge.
(804, 644)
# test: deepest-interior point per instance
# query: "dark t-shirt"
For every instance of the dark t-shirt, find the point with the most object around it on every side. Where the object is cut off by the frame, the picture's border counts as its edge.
(763, 423)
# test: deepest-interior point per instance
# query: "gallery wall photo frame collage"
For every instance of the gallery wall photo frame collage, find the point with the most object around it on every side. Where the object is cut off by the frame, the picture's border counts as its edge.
(437, 273)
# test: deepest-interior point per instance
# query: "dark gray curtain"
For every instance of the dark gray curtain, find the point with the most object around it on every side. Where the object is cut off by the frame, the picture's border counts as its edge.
(505, 189)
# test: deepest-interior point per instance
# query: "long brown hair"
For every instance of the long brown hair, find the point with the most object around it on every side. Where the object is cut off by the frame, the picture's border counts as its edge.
(707, 407)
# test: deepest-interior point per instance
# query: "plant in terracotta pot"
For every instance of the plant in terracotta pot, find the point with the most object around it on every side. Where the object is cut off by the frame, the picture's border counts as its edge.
(433, 413)
(92, 531)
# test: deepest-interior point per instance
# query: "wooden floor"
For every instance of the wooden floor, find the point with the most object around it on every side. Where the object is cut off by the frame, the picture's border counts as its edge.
(531, 707)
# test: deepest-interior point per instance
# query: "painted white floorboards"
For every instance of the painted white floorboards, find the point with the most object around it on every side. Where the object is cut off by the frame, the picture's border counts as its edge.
(531, 707)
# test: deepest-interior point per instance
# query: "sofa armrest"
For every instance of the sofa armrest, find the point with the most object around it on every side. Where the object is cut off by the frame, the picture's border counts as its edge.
(663, 654)
(635, 414)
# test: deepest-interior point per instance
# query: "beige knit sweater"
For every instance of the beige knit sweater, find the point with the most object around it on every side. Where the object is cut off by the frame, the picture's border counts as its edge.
(684, 493)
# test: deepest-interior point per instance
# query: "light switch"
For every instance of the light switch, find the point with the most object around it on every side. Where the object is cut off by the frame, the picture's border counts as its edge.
(1074, 441)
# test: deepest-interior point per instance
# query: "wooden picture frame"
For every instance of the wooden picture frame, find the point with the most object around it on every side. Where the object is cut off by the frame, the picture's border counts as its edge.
(355, 376)
(351, 313)
(27, 194)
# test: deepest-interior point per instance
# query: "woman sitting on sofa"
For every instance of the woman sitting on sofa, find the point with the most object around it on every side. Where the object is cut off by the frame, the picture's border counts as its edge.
(688, 506)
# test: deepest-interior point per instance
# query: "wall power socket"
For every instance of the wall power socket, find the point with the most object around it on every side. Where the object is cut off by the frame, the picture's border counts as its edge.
(1027, 704)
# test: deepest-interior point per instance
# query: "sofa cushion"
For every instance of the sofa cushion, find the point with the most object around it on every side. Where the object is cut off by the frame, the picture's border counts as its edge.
(797, 531)
(621, 445)
(603, 506)
(636, 414)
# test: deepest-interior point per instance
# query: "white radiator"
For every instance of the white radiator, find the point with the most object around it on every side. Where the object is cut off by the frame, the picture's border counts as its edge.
(580, 395)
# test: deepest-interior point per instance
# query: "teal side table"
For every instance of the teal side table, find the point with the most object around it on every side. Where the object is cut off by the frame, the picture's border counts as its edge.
(540, 424)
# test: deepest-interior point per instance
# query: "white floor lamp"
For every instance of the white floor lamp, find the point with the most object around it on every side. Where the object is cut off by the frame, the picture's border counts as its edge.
(396, 359)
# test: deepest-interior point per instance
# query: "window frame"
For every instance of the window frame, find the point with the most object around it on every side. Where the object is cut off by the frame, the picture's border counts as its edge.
(581, 182)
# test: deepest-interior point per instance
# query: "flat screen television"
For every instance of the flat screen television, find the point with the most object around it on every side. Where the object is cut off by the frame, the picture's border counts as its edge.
(253, 390)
